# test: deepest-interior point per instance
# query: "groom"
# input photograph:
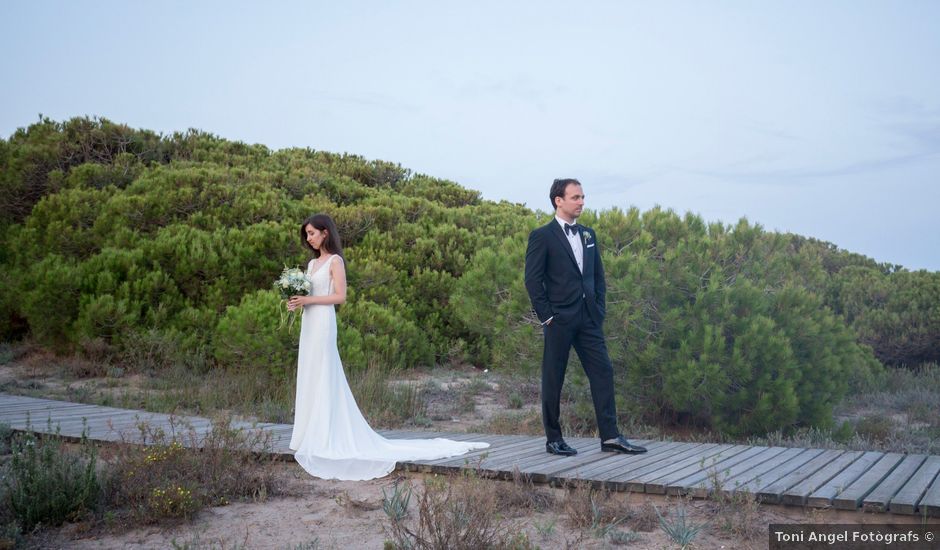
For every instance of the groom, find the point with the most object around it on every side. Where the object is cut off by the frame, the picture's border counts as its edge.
(565, 281)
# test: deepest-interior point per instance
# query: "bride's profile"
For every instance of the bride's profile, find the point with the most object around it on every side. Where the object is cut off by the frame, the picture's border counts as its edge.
(331, 438)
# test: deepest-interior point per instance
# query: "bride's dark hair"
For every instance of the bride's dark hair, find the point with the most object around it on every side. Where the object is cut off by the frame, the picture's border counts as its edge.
(331, 244)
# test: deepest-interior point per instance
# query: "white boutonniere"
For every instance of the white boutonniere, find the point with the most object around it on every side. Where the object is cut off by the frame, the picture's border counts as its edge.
(586, 236)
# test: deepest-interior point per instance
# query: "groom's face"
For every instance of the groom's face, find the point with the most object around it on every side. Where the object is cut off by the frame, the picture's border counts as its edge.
(571, 205)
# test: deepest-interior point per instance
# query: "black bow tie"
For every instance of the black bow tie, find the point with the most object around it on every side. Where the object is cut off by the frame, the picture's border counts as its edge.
(573, 229)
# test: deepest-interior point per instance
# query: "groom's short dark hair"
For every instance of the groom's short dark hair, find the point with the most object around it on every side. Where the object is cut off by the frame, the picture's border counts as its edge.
(558, 189)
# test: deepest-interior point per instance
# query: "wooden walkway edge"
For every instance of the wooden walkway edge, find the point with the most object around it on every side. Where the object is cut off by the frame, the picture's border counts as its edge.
(889, 483)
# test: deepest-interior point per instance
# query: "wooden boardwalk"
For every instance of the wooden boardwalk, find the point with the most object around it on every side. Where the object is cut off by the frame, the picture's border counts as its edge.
(848, 480)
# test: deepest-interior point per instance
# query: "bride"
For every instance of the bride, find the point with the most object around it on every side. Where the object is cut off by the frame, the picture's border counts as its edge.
(331, 438)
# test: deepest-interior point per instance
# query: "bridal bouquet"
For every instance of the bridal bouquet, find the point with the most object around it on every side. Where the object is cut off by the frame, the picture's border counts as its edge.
(292, 282)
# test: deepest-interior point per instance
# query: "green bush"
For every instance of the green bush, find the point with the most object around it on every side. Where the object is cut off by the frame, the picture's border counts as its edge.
(48, 485)
(492, 305)
(385, 338)
(256, 334)
(49, 299)
(110, 233)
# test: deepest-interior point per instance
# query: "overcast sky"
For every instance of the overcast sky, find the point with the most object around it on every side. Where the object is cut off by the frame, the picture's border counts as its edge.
(820, 118)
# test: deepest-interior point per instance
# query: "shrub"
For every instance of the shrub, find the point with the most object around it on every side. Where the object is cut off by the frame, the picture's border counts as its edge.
(385, 338)
(251, 334)
(48, 484)
(594, 510)
(161, 476)
(457, 512)
(679, 529)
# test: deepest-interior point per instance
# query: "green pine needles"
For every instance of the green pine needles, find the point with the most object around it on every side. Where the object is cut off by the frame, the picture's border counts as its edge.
(175, 238)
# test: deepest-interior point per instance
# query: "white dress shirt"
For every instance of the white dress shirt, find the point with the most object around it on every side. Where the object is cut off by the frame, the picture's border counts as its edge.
(575, 241)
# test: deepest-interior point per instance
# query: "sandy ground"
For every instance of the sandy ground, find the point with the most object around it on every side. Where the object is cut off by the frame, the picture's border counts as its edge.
(348, 515)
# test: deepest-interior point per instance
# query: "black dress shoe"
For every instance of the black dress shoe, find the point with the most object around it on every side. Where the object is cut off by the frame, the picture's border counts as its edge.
(621, 445)
(560, 448)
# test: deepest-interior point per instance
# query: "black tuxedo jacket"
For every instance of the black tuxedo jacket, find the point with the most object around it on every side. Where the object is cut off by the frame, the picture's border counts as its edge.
(555, 285)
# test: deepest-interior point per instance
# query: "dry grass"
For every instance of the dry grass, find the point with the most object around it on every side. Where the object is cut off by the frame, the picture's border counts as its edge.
(735, 512)
(386, 405)
(155, 475)
(457, 512)
(595, 510)
(644, 518)
(512, 423)
(521, 497)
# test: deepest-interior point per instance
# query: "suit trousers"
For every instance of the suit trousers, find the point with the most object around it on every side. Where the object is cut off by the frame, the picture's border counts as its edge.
(587, 337)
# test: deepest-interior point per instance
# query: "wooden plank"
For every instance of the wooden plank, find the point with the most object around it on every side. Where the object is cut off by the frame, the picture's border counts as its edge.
(823, 496)
(929, 505)
(661, 485)
(757, 485)
(726, 472)
(535, 463)
(632, 480)
(596, 472)
(653, 481)
(443, 464)
(591, 458)
(10, 399)
(550, 471)
(86, 417)
(684, 485)
(621, 478)
(851, 497)
(755, 475)
(8, 395)
(41, 417)
(879, 498)
(108, 424)
(541, 471)
(481, 459)
(562, 473)
(15, 409)
(906, 499)
(620, 463)
(530, 459)
(773, 493)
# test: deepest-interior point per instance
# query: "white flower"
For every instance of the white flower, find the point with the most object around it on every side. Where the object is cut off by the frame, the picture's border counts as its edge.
(292, 282)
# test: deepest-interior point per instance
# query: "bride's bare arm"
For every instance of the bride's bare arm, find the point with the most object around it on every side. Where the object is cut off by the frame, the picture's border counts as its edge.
(338, 272)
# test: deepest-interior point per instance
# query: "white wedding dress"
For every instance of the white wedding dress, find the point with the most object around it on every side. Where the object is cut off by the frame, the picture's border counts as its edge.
(331, 438)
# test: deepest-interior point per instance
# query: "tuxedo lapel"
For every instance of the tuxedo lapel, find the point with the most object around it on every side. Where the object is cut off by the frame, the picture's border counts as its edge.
(563, 242)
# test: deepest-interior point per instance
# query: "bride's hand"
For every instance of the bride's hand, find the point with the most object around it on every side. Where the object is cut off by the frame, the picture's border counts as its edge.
(295, 302)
